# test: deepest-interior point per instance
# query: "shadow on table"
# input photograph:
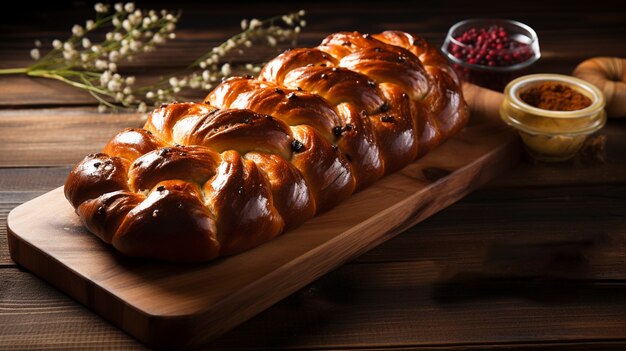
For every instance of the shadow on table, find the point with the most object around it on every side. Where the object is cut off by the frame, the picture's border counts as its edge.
(554, 272)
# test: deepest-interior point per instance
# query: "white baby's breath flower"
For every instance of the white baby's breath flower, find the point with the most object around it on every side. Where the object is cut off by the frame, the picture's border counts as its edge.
(112, 67)
(101, 64)
(130, 80)
(288, 20)
(301, 13)
(86, 43)
(173, 81)
(172, 36)
(230, 44)
(129, 7)
(244, 24)
(35, 54)
(206, 75)
(114, 56)
(117, 36)
(158, 39)
(57, 44)
(127, 25)
(226, 70)
(119, 7)
(84, 57)
(117, 23)
(142, 107)
(90, 25)
(100, 7)
(150, 95)
(102, 108)
(105, 77)
(135, 45)
(37, 43)
(78, 30)
(67, 46)
(113, 85)
(69, 54)
(271, 40)
(255, 23)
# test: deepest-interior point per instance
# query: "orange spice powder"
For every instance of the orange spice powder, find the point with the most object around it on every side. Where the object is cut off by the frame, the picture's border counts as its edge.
(555, 97)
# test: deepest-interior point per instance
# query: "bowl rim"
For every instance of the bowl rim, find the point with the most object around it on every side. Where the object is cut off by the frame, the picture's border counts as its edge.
(534, 44)
(513, 101)
(515, 86)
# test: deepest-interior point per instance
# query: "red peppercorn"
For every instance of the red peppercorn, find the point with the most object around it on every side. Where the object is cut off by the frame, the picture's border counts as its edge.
(491, 46)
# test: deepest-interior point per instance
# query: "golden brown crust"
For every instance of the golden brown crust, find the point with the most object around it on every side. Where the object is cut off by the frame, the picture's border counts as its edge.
(104, 214)
(261, 156)
(241, 198)
(172, 223)
(609, 75)
(95, 175)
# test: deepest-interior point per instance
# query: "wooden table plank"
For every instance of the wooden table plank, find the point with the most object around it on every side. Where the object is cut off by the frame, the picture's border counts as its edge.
(345, 309)
(51, 320)
(54, 137)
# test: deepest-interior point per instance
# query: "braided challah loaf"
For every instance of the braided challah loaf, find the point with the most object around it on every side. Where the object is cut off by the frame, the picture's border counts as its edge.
(261, 156)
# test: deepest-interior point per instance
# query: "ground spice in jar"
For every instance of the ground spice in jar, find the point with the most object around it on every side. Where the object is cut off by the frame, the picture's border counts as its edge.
(555, 97)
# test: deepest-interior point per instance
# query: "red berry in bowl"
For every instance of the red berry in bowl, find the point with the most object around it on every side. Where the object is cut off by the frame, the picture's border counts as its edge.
(491, 52)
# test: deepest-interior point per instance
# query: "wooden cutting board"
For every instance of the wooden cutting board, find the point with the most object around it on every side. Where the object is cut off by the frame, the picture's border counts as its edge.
(185, 305)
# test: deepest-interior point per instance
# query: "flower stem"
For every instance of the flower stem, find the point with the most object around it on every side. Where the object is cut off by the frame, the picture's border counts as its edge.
(14, 70)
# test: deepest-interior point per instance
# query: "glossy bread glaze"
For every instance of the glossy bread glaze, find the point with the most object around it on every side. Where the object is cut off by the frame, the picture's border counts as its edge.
(260, 156)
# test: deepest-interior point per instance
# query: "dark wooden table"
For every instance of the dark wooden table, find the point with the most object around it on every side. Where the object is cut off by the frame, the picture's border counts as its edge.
(535, 259)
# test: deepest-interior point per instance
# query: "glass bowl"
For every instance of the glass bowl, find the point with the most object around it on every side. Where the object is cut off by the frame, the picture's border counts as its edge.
(507, 48)
(549, 135)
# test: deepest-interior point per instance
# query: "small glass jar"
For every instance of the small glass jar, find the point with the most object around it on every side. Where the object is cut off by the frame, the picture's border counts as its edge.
(496, 72)
(552, 136)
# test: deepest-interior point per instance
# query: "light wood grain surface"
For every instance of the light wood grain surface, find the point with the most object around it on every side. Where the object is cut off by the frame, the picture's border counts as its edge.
(532, 260)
